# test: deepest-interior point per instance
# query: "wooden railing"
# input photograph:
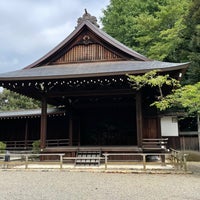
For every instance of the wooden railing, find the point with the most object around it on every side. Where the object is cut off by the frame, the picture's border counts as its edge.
(154, 144)
(57, 142)
(26, 159)
(176, 159)
(179, 159)
(22, 144)
(142, 161)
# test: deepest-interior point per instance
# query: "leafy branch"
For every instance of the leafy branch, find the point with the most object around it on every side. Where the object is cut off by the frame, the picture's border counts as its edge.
(153, 79)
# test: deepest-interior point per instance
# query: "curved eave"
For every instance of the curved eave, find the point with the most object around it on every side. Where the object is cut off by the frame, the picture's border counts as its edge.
(29, 113)
(91, 70)
(98, 32)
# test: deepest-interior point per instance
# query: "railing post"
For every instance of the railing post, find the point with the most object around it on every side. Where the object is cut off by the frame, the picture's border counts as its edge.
(26, 161)
(106, 161)
(185, 162)
(172, 156)
(163, 159)
(61, 161)
(144, 161)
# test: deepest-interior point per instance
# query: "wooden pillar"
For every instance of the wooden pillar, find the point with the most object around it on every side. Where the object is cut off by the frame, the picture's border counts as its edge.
(198, 127)
(43, 123)
(139, 118)
(79, 135)
(26, 133)
(70, 130)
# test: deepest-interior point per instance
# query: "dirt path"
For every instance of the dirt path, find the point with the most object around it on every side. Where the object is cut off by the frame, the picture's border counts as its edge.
(64, 185)
(194, 167)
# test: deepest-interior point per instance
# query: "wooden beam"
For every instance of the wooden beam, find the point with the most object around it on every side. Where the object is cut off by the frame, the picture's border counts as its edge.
(85, 93)
(139, 118)
(43, 123)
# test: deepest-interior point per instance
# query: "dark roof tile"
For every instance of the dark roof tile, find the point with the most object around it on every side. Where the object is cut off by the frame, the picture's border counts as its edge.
(91, 69)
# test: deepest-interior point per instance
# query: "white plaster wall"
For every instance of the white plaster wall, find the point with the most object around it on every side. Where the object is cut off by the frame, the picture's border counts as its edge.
(169, 126)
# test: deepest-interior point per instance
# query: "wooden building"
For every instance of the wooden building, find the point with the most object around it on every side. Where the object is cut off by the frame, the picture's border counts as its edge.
(86, 76)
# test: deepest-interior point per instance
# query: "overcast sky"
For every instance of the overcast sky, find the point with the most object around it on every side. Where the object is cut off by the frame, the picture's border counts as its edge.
(31, 28)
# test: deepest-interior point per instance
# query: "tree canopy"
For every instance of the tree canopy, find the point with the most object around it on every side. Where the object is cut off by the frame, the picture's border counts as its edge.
(186, 97)
(150, 27)
(13, 101)
(166, 30)
(191, 35)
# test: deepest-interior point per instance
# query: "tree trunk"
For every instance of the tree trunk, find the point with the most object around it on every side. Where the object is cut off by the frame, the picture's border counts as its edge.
(198, 123)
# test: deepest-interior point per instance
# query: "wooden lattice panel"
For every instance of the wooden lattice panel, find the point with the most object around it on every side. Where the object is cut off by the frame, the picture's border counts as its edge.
(91, 52)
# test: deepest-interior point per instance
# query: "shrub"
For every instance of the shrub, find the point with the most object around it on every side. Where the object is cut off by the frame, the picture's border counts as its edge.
(36, 146)
(2, 147)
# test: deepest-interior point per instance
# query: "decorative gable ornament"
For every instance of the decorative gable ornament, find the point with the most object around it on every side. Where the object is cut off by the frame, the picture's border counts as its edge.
(87, 17)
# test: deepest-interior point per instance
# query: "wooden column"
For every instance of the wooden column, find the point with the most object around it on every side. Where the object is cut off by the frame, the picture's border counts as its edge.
(139, 118)
(70, 131)
(26, 133)
(198, 127)
(79, 135)
(43, 123)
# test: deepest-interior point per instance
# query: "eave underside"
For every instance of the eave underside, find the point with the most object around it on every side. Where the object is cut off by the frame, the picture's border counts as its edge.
(57, 83)
(58, 91)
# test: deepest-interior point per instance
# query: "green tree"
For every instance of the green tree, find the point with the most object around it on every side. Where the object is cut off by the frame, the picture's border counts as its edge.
(151, 27)
(191, 36)
(12, 101)
(186, 97)
(153, 79)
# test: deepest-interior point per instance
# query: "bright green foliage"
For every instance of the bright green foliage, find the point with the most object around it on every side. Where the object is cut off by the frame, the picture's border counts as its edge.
(153, 79)
(151, 27)
(36, 146)
(120, 18)
(187, 97)
(13, 101)
(160, 32)
(2, 147)
(167, 30)
(192, 41)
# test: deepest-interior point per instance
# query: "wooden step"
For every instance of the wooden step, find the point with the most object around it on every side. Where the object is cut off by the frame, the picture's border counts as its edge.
(88, 158)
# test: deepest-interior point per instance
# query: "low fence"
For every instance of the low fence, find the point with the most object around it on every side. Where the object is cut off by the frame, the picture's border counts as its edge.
(27, 144)
(175, 158)
(179, 159)
(142, 161)
(26, 159)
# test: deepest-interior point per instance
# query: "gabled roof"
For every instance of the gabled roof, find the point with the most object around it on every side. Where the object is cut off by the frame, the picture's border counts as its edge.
(67, 60)
(99, 33)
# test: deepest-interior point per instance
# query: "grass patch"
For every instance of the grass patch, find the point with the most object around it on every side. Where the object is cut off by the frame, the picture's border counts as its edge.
(193, 155)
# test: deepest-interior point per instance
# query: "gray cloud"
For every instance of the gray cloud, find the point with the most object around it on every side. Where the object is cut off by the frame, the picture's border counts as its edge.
(31, 28)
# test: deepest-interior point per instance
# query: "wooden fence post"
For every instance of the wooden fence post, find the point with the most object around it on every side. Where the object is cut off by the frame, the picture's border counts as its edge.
(61, 161)
(106, 161)
(26, 161)
(144, 161)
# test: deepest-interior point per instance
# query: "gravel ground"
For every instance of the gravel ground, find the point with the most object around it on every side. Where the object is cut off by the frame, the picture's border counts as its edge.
(64, 185)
